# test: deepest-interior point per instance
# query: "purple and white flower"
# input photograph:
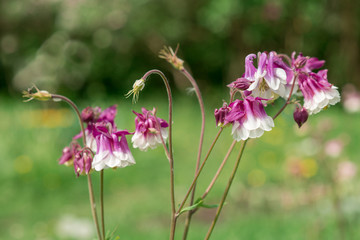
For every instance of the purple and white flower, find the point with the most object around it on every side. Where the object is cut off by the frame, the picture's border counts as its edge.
(82, 162)
(318, 92)
(220, 115)
(111, 152)
(249, 118)
(149, 130)
(67, 158)
(272, 76)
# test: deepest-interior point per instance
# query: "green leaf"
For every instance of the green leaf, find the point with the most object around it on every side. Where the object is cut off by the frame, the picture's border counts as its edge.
(198, 203)
(192, 207)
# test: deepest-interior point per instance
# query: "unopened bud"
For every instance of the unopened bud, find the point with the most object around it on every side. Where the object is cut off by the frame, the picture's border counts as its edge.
(300, 116)
(240, 83)
(220, 115)
(88, 114)
(300, 61)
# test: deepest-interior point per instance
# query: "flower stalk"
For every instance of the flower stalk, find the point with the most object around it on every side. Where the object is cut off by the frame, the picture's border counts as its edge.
(90, 187)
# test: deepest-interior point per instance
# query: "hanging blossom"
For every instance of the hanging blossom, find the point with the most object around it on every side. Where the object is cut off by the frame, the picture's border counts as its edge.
(102, 137)
(272, 76)
(111, 152)
(80, 158)
(318, 92)
(248, 118)
(149, 130)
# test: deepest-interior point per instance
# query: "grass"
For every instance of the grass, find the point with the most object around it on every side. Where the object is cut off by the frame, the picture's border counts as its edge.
(265, 202)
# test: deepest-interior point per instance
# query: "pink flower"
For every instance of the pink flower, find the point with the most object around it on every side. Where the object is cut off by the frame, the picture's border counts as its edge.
(111, 152)
(148, 130)
(82, 162)
(249, 118)
(271, 77)
(220, 115)
(69, 153)
(318, 92)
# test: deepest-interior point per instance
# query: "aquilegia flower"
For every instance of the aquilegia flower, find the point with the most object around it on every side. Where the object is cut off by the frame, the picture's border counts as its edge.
(249, 118)
(318, 92)
(82, 162)
(148, 130)
(111, 152)
(220, 115)
(272, 76)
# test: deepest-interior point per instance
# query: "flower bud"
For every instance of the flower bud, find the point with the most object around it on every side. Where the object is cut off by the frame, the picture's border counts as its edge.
(87, 114)
(220, 115)
(300, 116)
(240, 83)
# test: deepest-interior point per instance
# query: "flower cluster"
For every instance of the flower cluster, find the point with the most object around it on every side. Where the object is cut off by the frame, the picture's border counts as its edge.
(102, 138)
(106, 146)
(272, 78)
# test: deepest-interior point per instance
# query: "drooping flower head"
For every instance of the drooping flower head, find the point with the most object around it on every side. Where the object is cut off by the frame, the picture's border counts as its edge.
(83, 161)
(318, 92)
(249, 118)
(148, 130)
(67, 158)
(220, 115)
(112, 152)
(300, 116)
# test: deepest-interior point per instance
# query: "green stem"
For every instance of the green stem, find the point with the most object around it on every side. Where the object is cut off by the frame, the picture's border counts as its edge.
(202, 109)
(102, 203)
(221, 204)
(90, 187)
(171, 157)
(198, 173)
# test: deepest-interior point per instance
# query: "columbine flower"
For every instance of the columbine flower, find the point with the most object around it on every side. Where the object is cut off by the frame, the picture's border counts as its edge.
(220, 115)
(148, 130)
(93, 116)
(111, 152)
(137, 87)
(300, 116)
(82, 162)
(249, 118)
(271, 77)
(318, 92)
(69, 153)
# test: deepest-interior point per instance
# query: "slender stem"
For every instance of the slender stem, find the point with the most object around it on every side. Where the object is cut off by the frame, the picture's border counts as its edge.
(91, 191)
(288, 100)
(219, 170)
(198, 173)
(102, 203)
(202, 109)
(171, 160)
(221, 204)
(93, 206)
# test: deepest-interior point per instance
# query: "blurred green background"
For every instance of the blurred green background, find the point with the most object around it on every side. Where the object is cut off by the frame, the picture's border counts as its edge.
(291, 184)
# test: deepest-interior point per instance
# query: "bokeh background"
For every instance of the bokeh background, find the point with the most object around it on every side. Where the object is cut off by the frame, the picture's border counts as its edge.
(292, 184)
